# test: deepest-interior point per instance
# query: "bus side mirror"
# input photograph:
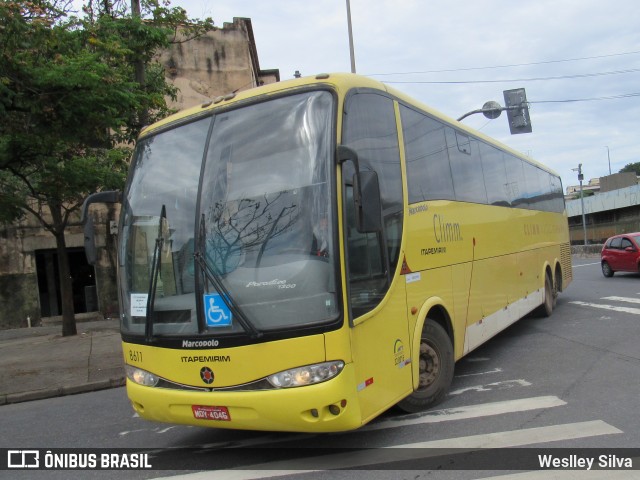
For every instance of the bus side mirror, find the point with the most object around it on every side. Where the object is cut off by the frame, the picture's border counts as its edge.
(89, 234)
(366, 193)
(367, 202)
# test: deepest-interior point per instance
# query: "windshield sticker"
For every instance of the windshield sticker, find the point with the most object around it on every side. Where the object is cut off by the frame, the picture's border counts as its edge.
(217, 312)
(139, 304)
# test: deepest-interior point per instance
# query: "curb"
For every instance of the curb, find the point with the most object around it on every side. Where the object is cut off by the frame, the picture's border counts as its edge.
(61, 391)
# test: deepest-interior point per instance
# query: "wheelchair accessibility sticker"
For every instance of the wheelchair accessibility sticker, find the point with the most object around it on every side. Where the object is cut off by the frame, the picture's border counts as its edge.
(217, 312)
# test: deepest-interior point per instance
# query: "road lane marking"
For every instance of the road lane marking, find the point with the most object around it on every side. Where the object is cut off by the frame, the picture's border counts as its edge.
(412, 451)
(503, 385)
(495, 370)
(585, 265)
(526, 436)
(622, 299)
(604, 306)
(471, 411)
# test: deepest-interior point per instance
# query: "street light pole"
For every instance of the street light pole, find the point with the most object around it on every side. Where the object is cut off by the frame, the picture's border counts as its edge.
(609, 158)
(352, 55)
(584, 223)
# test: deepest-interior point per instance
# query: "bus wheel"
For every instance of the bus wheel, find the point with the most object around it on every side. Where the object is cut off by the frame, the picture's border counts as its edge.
(549, 301)
(436, 369)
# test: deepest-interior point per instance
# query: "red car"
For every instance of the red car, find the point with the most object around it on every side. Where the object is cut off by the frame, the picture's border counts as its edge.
(621, 253)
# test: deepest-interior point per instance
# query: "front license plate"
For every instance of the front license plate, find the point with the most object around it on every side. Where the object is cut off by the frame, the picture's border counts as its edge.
(203, 412)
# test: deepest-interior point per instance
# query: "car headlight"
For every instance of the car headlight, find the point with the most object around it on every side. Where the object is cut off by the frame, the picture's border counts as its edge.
(307, 375)
(140, 376)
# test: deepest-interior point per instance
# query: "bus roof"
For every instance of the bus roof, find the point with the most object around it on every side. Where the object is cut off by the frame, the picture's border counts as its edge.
(341, 82)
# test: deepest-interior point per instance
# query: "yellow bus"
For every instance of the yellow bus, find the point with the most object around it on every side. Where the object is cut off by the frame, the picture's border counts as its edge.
(304, 255)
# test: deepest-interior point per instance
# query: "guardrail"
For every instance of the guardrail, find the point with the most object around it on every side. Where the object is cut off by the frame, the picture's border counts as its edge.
(586, 250)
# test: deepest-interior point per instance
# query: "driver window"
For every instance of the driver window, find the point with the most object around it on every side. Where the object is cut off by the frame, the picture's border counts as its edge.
(367, 273)
(370, 129)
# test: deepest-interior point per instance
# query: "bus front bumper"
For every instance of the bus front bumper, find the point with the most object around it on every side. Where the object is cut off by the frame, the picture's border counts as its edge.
(330, 406)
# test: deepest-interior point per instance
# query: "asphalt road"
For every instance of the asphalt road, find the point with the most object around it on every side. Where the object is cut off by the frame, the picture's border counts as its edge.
(568, 381)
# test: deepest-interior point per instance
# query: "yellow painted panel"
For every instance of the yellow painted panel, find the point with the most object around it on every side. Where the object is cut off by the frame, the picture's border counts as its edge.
(299, 409)
(496, 257)
(382, 354)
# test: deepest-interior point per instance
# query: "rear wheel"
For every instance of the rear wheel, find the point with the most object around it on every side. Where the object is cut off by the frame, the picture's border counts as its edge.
(436, 365)
(549, 296)
(607, 271)
(551, 290)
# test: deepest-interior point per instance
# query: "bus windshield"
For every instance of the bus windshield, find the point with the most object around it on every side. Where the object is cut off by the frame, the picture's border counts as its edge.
(245, 239)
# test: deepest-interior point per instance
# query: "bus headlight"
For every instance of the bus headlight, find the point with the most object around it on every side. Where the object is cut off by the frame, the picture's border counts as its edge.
(307, 375)
(141, 377)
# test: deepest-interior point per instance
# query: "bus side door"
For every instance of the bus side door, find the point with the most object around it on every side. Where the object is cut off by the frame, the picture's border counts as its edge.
(380, 335)
(376, 291)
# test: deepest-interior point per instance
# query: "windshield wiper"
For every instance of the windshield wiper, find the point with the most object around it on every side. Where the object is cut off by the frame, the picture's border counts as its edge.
(156, 265)
(214, 278)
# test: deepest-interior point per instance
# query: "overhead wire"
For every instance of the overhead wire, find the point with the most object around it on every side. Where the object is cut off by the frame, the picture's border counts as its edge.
(550, 78)
(511, 80)
(610, 97)
(544, 62)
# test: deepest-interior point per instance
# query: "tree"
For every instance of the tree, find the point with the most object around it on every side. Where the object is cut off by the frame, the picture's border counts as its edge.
(631, 167)
(70, 107)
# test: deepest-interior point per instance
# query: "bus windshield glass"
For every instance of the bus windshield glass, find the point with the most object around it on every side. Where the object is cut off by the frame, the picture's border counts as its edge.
(245, 239)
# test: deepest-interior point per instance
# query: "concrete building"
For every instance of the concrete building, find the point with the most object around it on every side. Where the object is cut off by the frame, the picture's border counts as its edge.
(592, 186)
(606, 214)
(609, 183)
(618, 181)
(223, 61)
(220, 62)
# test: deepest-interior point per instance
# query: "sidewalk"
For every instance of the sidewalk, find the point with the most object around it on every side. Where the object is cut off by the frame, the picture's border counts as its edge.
(38, 362)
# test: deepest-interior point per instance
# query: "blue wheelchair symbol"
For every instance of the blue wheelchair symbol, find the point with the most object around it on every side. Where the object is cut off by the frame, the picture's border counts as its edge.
(217, 312)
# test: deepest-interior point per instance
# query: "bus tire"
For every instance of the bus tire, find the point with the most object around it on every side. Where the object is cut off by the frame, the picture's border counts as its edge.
(436, 366)
(550, 297)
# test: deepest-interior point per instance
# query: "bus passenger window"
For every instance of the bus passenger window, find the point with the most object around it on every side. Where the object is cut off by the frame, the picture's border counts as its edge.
(428, 169)
(464, 157)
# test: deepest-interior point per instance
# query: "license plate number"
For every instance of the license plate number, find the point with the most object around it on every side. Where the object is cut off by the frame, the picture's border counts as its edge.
(203, 412)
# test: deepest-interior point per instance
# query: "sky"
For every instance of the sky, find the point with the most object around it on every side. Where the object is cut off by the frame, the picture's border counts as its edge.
(455, 55)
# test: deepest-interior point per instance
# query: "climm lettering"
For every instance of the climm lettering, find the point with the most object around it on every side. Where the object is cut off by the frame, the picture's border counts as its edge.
(445, 231)
(206, 358)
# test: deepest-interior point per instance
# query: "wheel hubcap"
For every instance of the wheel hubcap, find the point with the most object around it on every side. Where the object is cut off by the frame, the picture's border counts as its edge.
(429, 365)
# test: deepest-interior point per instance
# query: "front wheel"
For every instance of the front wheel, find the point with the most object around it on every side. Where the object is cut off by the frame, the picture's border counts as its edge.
(607, 271)
(436, 365)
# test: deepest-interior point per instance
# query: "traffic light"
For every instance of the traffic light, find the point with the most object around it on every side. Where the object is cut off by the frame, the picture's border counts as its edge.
(517, 111)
